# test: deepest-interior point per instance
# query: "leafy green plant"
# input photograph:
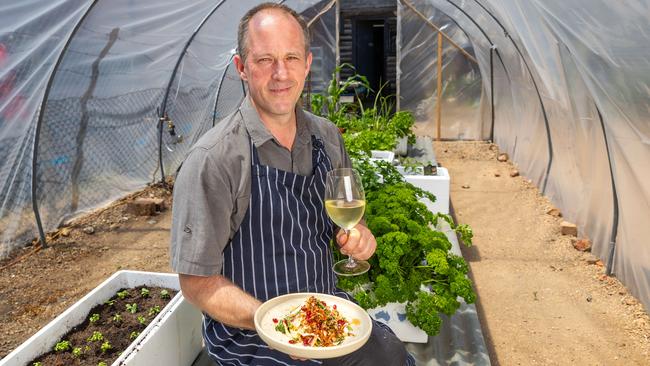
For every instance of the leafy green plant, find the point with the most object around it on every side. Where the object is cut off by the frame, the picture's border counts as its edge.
(142, 320)
(144, 292)
(110, 302)
(123, 294)
(413, 263)
(94, 318)
(164, 294)
(364, 129)
(132, 308)
(76, 352)
(134, 335)
(105, 346)
(117, 318)
(331, 101)
(37, 364)
(62, 346)
(96, 337)
(102, 363)
(154, 310)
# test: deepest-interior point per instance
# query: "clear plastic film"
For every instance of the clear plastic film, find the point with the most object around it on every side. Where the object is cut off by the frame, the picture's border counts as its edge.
(126, 62)
(30, 42)
(570, 93)
(418, 74)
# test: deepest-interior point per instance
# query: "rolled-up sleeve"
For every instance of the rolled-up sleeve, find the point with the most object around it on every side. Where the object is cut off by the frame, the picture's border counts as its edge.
(201, 215)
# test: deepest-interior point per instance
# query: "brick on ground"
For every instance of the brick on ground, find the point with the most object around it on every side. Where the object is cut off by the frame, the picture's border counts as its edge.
(146, 206)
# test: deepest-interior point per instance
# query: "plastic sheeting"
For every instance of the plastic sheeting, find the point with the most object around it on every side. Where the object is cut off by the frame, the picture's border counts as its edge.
(558, 67)
(418, 76)
(570, 94)
(126, 63)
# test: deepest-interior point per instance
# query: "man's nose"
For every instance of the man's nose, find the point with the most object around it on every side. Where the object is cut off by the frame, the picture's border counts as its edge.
(280, 70)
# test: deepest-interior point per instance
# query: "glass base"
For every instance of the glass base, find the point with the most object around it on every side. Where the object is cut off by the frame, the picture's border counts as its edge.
(343, 267)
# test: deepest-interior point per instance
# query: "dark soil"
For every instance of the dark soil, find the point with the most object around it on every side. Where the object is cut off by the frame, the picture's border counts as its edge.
(115, 325)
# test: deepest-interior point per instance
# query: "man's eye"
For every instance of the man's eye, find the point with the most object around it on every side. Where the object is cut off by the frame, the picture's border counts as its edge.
(265, 60)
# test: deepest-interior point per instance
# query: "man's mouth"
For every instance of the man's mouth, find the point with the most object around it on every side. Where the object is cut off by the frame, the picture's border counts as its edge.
(280, 90)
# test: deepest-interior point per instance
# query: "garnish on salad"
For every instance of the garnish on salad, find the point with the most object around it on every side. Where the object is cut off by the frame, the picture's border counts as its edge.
(314, 324)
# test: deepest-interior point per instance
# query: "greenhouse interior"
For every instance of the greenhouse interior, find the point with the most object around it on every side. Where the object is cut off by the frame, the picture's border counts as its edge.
(100, 100)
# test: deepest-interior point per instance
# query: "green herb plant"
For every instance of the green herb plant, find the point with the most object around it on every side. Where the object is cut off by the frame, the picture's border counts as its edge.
(164, 294)
(132, 308)
(105, 346)
(142, 320)
(62, 346)
(144, 292)
(96, 337)
(365, 129)
(76, 352)
(154, 310)
(94, 318)
(413, 263)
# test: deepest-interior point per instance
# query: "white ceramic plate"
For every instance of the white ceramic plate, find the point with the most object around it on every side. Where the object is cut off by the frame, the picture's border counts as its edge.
(279, 306)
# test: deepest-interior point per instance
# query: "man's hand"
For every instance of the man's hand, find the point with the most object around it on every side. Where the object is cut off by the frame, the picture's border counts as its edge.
(359, 243)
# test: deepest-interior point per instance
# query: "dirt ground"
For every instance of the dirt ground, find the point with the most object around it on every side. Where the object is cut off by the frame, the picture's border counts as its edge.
(540, 300)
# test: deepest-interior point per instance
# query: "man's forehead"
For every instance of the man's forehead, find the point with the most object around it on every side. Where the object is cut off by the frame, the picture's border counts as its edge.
(270, 19)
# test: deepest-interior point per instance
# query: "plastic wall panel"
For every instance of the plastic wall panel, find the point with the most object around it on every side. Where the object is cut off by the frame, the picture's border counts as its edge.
(417, 76)
(193, 92)
(32, 34)
(613, 62)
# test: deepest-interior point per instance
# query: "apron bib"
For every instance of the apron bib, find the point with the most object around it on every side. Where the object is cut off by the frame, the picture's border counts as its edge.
(281, 247)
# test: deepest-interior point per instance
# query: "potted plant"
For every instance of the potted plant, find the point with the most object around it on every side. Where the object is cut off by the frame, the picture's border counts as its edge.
(172, 336)
(413, 264)
(428, 177)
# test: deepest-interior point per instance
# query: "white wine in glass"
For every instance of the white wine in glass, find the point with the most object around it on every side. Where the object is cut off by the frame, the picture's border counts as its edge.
(345, 203)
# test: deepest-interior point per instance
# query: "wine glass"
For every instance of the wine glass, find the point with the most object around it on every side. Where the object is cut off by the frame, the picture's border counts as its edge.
(345, 203)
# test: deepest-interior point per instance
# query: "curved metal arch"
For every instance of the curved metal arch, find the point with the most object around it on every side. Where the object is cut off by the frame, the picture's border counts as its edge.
(163, 107)
(484, 34)
(216, 99)
(493, 50)
(539, 96)
(39, 121)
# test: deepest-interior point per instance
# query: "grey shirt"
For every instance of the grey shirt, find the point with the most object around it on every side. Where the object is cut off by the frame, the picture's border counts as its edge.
(212, 189)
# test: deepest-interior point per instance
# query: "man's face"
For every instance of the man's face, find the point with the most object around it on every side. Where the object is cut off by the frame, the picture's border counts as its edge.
(276, 64)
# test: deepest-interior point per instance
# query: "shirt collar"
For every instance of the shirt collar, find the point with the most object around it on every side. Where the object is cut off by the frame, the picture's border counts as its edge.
(260, 134)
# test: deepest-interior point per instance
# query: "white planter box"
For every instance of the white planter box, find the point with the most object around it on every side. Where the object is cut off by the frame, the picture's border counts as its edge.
(401, 148)
(172, 338)
(394, 315)
(383, 155)
(436, 184)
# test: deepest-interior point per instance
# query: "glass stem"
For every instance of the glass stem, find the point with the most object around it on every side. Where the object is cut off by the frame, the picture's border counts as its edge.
(351, 263)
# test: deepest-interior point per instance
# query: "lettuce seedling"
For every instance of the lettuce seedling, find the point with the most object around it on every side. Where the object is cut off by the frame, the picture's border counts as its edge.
(132, 308)
(105, 346)
(144, 292)
(76, 352)
(94, 318)
(154, 310)
(62, 346)
(96, 337)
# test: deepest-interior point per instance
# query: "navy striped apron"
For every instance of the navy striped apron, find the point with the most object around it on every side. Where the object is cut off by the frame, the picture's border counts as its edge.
(281, 247)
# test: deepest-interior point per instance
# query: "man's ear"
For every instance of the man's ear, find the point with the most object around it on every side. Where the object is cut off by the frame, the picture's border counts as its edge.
(239, 65)
(309, 59)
